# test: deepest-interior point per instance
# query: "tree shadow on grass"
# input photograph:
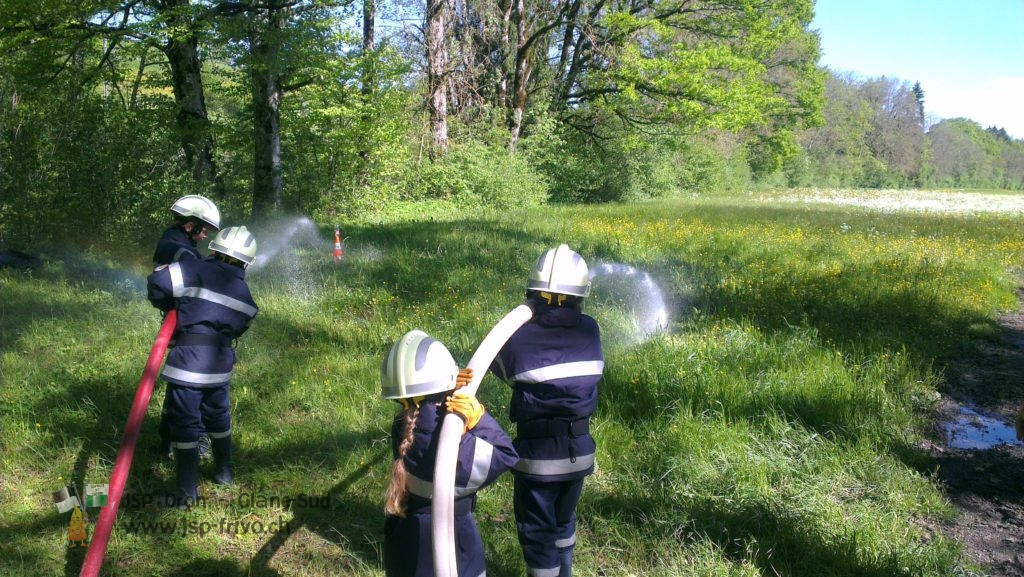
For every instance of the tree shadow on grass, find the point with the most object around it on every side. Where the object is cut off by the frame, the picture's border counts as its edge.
(771, 536)
(214, 568)
(98, 428)
(358, 535)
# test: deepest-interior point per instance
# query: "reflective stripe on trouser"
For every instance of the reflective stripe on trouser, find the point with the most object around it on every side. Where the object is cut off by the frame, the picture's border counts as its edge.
(191, 408)
(546, 522)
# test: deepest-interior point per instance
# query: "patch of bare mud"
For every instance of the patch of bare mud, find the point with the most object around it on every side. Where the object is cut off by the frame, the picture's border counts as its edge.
(986, 484)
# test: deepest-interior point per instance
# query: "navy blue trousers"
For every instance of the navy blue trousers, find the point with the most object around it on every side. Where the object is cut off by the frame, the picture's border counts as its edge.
(409, 542)
(546, 521)
(191, 409)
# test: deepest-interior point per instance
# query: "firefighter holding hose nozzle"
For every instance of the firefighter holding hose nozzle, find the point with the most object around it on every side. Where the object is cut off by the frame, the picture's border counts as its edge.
(214, 308)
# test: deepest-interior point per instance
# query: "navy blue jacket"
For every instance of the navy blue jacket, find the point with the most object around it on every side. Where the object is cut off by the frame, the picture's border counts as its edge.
(173, 246)
(553, 363)
(485, 452)
(213, 303)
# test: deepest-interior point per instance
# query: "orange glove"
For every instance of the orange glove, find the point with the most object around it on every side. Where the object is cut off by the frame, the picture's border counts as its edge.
(465, 375)
(467, 407)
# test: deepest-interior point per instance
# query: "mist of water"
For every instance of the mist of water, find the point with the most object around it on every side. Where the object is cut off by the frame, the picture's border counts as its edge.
(280, 237)
(290, 254)
(635, 297)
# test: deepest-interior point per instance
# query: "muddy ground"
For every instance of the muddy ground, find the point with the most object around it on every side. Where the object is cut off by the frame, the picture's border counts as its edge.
(986, 485)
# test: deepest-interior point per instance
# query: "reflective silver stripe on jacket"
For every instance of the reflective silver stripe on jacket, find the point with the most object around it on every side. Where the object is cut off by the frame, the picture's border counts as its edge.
(419, 487)
(482, 456)
(178, 290)
(560, 371)
(193, 377)
(481, 466)
(551, 467)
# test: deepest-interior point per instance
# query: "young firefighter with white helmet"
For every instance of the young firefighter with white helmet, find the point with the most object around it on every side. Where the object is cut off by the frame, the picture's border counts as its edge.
(214, 308)
(421, 375)
(553, 363)
(194, 217)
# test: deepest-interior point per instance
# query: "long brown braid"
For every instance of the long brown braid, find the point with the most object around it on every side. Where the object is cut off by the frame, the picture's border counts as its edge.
(396, 495)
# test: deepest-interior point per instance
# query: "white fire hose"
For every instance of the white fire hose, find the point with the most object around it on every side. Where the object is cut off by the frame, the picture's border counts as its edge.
(443, 502)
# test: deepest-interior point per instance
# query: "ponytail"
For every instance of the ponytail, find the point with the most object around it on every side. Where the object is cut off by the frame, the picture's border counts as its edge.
(396, 495)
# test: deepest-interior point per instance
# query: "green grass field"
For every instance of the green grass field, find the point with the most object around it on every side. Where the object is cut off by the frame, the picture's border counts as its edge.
(770, 430)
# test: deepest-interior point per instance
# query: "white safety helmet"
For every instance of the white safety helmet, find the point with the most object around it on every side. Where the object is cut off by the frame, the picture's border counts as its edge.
(560, 271)
(200, 207)
(236, 242)
(417, 365)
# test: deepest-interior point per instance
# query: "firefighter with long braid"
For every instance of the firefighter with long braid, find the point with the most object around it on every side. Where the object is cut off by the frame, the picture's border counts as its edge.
(421, 375)
(214, 308)
(553, 364)
(194, 217)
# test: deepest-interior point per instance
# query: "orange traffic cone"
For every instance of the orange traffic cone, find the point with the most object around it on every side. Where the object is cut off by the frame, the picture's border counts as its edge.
(337, 244)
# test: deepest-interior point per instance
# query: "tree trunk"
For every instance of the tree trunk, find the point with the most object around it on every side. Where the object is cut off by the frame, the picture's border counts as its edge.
(505, 46)
(265, 39)
(523, 71)
(182, 51)
(369, 17)
(464, 93)
(367, 89)
(437, 63)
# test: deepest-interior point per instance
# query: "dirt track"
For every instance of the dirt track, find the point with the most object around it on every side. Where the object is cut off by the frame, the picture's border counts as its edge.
(987, 486)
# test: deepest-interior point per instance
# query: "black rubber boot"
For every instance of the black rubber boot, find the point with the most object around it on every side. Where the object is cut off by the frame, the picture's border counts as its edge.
(186, 464)
(223, 474)
(565, 562)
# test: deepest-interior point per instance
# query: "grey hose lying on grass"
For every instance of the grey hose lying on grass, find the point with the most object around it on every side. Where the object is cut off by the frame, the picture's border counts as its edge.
(443, 501)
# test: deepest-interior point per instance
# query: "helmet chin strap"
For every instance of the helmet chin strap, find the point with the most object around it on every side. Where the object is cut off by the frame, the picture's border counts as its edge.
(411, 402)
(551, 299)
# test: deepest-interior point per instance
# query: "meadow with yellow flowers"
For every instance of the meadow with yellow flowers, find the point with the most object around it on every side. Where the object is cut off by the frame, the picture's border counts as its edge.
(772, 424)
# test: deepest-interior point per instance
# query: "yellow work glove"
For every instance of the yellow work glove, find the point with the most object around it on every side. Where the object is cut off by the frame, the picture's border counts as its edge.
(467, 407)
(465, 375)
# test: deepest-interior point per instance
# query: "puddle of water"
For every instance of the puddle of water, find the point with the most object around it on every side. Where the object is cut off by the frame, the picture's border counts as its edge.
(973, 430)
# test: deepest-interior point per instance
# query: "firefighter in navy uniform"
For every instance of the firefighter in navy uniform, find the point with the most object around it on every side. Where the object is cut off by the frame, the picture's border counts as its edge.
(553, 364)
(421, 375)
(214, 308)
(194, 217)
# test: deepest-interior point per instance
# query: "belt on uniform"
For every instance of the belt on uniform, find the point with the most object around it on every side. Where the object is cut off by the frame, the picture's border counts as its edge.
(537, 428)
(201, 340)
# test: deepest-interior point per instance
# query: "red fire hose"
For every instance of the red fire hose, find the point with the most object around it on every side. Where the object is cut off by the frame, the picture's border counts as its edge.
(98, 545)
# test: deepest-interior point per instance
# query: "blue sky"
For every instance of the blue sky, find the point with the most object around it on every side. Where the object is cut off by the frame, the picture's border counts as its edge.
(968, 56)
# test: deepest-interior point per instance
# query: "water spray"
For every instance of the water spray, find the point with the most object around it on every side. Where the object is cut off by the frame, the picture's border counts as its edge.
(108, 514)
(638, 292)
(281, 237)
(442, 505)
